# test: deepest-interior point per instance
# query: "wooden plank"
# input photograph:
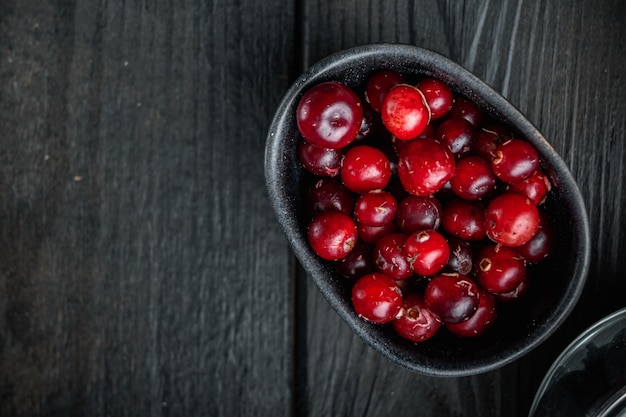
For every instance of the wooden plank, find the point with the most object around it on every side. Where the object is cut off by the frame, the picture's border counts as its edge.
(145, 272)
(562, 65)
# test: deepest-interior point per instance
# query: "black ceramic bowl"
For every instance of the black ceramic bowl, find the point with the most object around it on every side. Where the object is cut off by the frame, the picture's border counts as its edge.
(556, 283)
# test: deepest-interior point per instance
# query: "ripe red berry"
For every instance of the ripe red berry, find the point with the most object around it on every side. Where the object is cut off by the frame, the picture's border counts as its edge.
(461, 259)
(468, 110)
(375, 208)
(332, 235)
(329, 115)
(438, 96)
(371, 234)
(329, 194)
(514, 160)
(323, 162)
(480, 321)
(473, 178)
(541, 244)
(416, 323)
(379, 84)
(511, 219)
(452, 297)
(426, 251)
(499, 269)
(365, 168)
(356, 263)
(418, 213)
(424, 166)
(405, 112)
(457, 134)
(389, 257)
(464, 219)
(377, 298)
(536, 187)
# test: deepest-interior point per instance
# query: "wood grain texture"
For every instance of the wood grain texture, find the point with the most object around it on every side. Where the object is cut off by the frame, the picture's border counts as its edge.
(144, 271)
(562, 65)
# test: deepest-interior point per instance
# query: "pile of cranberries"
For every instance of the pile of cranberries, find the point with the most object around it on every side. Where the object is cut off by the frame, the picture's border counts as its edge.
(430, 209)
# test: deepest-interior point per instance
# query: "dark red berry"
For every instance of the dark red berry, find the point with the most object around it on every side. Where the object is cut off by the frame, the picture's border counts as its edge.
(541, 244)
(499, 269)
(452, 297)
(371, 234)
(329, 115)
(424, 166)
(427, 252)
(461, 259)
(536, 187)
(418, 213)
(438, 96)
(377, 298)
(324, 162)
(467, 110)
(480, 321)
(329, 194)
(405, 112)
(516, 294)
(371, 125)
(375, 208)
(356, 263)
(457, 134)
(511, 219)
(473, 178)
(332, 235)
(514, 160)
(379, 84)
(389, 257)
(416, 322)
(485, 143)
(365, 168)
(464, 219)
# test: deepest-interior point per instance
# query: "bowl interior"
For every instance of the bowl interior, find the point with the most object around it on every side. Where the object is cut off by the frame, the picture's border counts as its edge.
(556, 283)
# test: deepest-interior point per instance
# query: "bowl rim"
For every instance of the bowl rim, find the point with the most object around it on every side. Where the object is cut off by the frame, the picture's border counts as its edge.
(475, 89)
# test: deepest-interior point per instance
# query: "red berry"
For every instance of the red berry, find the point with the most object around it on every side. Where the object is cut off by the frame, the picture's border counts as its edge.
(514, 160)
(541, 244)
(499, 269)
(516, 294)
(332, 235)
(511, 219)
(371, 234)
(375, 208)
(379, 84)
(389, 257)
(473, 178)
(424, 166)
(480, 321)
(418, 213)
(427, 252)
(464, 219)
(324, 162)
(452, 297)
(416, 323)
(329, 115)
(329, 194)
(536, 187)
(461, 259)
(438, 96)
(356, 263)
(405, 112)
(364, 169)
(376, 298)
(467, 110)
(457, 134)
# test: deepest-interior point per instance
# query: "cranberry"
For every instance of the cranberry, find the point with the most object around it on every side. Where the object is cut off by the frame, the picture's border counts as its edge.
(427, 252)
(461, 259)
(405, 112)
(371, 234)
(377, 298)
(418, 213)
(473, 178)
(485, 142)
(438, 96)
(424, 166)
(457, 134)
(464, 219)
(356, 263)
(416, 323)
(389, 257)
(516, 294)
(375, 208)
(452, 297)
(541, 244)
(379, 84)
(329, 115)
(324, 162)
(514, 160)
(467, 110)
(371, 125)
(329, 194)
(365, 168)
(511, 219)
(536, 187)
(499, 269)
(332, 235)
(481, 320)
(428, 133)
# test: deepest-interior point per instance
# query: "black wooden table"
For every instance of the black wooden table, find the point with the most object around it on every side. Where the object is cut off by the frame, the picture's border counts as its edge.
(144, 273)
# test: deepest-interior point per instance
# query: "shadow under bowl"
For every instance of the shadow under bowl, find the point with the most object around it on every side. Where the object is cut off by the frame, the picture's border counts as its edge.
(556, 283)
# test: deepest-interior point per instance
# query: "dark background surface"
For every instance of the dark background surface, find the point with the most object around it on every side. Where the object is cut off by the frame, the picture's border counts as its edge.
(144, 272)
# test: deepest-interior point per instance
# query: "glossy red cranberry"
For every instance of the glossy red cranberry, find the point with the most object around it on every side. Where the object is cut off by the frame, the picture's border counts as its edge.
(332, 235)
(405, 112)
(379, 84)
(480, 321)
(499, 269)
(461, 259)
(428, 133)
(377, 298)
(424, 166)
(467, 110)
(464, 219)
(536, 187)
(323, 162)
(389, 257)
(473, 178)
(372, 234)
(514, 160)
(365, 168)
(418, 213)
(329, 115)
(485, 143)
(511, 219)
(541, 244)
(356, 263)
(329, 194)
(457, 134)
(452, 297)
(438, 96)
(416, 322)
(426, 251)
(375, 208)
(516, 294)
